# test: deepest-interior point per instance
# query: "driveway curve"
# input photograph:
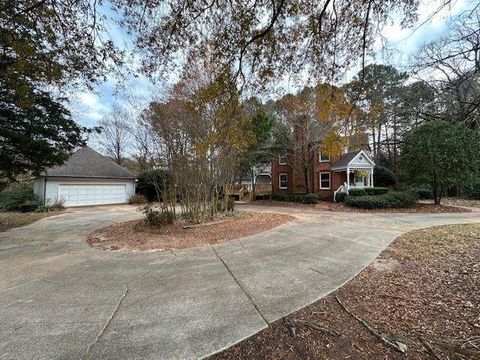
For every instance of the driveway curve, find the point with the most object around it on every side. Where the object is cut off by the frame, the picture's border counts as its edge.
(60, 298)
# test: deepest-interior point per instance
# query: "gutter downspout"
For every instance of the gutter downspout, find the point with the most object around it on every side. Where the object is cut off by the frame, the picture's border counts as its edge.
(45, 191)
(348, 179)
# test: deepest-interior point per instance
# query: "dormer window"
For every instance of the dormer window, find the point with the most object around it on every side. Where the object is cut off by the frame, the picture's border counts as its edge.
(323, 157)
(282, 157)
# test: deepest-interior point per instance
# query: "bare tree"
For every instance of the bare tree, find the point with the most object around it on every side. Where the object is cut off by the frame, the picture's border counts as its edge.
(143, 148)
(452, 64)
(115, 135)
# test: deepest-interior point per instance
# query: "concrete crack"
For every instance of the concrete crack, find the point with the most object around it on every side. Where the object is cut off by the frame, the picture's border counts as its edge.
(107, 324)
(317, 271)
(240, 286)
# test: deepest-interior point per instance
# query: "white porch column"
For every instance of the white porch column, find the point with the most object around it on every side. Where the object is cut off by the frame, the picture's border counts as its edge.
(371, 177)
(348, 179)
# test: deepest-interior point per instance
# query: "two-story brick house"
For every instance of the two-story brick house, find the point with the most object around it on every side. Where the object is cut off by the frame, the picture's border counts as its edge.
(327, 175)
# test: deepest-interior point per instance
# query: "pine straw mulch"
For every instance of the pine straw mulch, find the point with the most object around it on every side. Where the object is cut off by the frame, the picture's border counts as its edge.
(322, 205)
(423, 290)
(138, 235)
(461, 202)
(418, 208)
(331, 206)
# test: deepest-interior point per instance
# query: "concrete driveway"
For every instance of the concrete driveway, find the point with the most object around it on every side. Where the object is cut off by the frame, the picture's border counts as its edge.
(61, 299)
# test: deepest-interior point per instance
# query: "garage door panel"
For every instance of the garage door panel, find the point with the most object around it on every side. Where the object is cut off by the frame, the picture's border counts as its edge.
(88, 194)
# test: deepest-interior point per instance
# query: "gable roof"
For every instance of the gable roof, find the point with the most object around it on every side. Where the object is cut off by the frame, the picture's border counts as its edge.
(354, 160)
(87, 163)
(345, 159)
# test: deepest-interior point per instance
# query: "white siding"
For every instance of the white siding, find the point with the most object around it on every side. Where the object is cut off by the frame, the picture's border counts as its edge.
(53, 185)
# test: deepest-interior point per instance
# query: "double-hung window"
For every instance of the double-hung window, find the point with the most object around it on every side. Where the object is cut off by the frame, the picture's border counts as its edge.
(282, 181)
(324, 181)
(323, 157)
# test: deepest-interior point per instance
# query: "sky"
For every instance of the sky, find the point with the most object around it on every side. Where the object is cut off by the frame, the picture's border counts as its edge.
(88, 107)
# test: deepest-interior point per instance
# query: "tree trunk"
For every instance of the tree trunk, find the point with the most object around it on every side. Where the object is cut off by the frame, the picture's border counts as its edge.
(306, 180)
(440, 195)
(379, 138)
(374, 143)
(387, 142)
(253, 185)
(395, 145)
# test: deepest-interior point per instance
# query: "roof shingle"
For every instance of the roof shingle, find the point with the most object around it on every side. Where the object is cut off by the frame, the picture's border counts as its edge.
(86, 162)
(345, 159)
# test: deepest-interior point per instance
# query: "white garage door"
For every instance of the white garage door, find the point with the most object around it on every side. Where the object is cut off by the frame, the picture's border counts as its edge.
(78, 195)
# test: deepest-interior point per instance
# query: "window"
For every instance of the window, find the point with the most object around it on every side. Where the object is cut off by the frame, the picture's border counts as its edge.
(324, 181)
(323, 158)
(282, 157)
(282, 181)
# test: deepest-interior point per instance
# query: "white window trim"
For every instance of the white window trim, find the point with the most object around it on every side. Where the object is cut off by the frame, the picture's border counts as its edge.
(329, 180)
(280, 159)
(320, 158)
(280, 182)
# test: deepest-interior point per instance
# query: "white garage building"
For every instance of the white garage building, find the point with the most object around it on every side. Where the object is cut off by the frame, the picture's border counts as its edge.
(87, 178)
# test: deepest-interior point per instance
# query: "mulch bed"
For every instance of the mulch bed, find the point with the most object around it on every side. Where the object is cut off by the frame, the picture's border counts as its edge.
(418, 208)
(423, 290)
(331, 206)
(137, 235)
(13, 219)
(461, 202)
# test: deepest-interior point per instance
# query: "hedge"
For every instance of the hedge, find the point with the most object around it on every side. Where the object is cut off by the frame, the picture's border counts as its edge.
(340, 196)
(357, 192)
(376, 190)
(299, 198)
(288, 197)
(391, 200)
(422, 193)
(384, 176)
(368, 191)
(311, 199)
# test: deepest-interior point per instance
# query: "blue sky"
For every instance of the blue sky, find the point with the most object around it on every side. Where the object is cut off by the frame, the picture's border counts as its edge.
(88, 107)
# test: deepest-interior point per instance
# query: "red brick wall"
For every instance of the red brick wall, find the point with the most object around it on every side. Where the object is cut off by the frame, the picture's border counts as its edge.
(336, 178)
(278, 169)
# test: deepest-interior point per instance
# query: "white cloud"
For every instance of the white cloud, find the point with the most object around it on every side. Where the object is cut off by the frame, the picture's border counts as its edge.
(88, 99)
(397, 44)
(88, 107)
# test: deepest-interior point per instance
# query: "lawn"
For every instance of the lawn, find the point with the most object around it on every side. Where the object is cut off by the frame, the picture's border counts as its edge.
(422, 295)
(13, 219)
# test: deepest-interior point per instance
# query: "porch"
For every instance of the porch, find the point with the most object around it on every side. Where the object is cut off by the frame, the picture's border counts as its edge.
(356, 170)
